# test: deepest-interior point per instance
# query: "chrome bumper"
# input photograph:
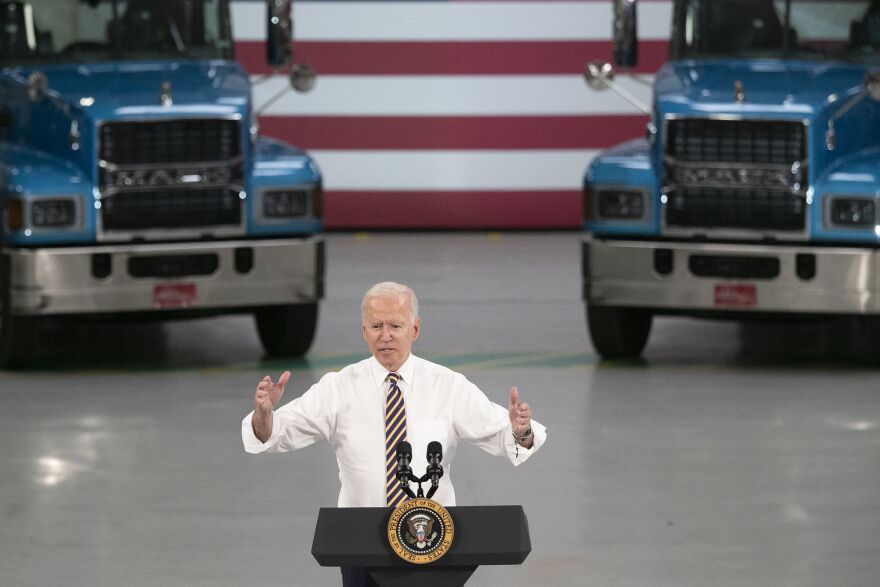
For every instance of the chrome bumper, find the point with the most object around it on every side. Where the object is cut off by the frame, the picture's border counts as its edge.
(61, 280)
(623, 273)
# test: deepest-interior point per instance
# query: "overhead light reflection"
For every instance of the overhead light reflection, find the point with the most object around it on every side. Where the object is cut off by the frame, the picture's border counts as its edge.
(863, 426)
(795, 512)
(855, 425)
(78, 454)
(53, 470)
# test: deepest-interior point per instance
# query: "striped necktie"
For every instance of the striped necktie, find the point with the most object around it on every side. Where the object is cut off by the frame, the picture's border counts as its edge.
(395, 431)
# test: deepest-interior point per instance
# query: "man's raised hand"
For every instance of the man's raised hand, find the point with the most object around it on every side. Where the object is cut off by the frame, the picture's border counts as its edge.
(268, 392)
(520, 413)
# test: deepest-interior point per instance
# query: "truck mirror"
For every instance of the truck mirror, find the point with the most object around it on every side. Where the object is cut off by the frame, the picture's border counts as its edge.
(302, 77)
(37, 86)
(279, 34)
(872, 85)
(625, 41)
(17, 37)
(598, 74)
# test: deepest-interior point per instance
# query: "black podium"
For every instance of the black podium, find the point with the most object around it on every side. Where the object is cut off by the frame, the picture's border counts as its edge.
(484, 535)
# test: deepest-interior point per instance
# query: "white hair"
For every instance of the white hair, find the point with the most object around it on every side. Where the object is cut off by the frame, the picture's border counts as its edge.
(391, 289)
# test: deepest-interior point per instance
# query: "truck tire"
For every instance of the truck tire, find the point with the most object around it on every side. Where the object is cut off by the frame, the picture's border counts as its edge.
(287, 331)
(618, 333)
(18, 334)
(871, 330)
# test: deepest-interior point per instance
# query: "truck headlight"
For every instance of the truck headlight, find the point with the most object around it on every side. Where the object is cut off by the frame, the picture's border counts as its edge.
(293, 203)
(285, 203)
(42, 213)
(852, 212)
(53, 213)
(621, 204)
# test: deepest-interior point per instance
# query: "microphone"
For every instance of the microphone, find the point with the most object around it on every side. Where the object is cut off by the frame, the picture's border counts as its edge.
(435, 469)
(404, 473)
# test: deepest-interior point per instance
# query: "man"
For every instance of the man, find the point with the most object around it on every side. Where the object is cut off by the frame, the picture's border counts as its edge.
(366, 408)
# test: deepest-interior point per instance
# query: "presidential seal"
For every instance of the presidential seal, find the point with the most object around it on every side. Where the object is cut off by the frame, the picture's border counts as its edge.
(420, 530)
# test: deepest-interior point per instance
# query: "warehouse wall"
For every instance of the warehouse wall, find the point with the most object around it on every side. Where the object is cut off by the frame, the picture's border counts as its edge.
(452, 114)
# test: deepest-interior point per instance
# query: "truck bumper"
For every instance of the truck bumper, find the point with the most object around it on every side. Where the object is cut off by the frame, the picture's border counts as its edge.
(683, 277)
(202, 276)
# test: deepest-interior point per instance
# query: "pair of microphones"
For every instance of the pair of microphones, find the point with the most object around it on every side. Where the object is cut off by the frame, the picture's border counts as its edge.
(433, 472)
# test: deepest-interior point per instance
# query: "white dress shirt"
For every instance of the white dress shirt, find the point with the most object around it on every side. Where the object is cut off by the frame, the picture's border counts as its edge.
(347, 408)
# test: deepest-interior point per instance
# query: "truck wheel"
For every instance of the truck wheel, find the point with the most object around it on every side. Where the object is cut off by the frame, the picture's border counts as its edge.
(18, 336)
(618, 333)
(871, 329)
(287, 331)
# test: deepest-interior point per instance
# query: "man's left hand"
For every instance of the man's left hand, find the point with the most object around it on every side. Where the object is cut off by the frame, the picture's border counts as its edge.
(520, 417)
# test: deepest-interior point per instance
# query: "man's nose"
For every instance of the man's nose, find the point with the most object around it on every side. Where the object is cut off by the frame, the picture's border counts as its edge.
(386, 333)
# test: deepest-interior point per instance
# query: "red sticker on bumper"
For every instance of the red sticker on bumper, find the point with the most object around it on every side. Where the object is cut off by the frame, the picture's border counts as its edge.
(174, 295)
(735, 296)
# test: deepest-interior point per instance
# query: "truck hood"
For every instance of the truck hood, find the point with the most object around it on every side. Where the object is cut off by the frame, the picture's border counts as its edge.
(770, 86)
(118, 90)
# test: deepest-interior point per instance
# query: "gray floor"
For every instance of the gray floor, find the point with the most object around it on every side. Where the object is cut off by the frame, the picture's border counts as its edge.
(730, 456)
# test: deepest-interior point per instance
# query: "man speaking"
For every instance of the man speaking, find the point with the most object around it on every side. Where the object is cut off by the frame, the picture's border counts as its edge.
(367, 408)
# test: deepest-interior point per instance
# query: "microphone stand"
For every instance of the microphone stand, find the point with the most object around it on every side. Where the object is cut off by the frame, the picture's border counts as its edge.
(404, 475)
(435, 470)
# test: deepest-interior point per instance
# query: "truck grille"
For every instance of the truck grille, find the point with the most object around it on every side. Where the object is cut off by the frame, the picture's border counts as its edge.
(171, 209)
(170, 141)
(745, 209)
(740, 174)
(171, 174)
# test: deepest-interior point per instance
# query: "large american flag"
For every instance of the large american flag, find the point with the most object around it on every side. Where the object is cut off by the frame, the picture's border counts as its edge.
(451, 114)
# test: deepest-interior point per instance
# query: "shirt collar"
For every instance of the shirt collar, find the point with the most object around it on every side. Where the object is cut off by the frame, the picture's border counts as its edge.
(406, 371)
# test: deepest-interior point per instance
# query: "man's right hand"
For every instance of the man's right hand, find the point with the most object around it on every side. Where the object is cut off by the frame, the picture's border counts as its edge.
(268, 392)
(266, 397)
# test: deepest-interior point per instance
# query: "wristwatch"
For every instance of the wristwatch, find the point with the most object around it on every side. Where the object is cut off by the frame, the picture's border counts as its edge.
(525, 435)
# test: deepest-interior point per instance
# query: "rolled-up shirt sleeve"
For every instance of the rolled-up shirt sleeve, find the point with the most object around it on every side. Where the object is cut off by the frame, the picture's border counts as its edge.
(520, 454)
(297, 424)
(487, 425)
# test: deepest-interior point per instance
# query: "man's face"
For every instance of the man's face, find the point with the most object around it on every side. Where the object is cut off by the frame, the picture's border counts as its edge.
(389, 330)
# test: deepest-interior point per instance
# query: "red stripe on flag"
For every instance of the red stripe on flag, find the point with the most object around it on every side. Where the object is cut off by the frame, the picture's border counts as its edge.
(453, 132)
(450, 57)
(452, 209)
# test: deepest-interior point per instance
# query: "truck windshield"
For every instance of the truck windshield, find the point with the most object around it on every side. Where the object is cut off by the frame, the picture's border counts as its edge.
(53, 31)
(789, 29)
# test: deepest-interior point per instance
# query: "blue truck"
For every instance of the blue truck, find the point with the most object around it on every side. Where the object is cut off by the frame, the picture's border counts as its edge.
(754, 192)
(135, 183)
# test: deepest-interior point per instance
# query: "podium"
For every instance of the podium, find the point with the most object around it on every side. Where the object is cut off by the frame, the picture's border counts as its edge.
(484, 535)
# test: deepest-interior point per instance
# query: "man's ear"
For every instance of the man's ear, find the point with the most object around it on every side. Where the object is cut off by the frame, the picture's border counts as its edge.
(416, 326)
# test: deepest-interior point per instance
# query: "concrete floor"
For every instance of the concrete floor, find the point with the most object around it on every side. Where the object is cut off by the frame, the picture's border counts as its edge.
(729, 456)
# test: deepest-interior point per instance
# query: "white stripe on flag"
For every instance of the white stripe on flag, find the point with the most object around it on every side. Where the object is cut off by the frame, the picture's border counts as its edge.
(414, 95)
(453, 170)
(449, 21)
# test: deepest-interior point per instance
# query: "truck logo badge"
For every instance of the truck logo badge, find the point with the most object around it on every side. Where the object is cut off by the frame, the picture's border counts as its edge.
(122, 179)
(165, 94)
(731, 176)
